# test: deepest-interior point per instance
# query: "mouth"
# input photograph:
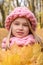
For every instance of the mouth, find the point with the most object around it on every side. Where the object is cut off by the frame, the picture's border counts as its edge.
(20, 33)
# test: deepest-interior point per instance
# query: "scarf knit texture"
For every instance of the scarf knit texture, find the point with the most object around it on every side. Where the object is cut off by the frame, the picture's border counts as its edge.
(19, 41)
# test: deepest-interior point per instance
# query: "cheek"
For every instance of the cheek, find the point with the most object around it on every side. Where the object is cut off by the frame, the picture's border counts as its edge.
(13, 30)
(26, 30)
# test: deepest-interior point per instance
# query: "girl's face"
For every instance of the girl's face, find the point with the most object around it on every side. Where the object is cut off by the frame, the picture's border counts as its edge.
(20, 27)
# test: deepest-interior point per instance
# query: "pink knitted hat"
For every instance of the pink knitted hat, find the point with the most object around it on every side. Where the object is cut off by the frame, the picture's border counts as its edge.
(21, 12)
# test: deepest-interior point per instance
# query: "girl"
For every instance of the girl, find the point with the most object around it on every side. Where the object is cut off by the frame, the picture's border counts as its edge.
(21, 24)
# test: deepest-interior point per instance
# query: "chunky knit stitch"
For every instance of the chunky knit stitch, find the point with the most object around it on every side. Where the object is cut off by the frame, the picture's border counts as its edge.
(21, 12)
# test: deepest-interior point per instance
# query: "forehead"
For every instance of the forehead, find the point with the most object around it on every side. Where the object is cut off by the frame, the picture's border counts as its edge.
(21, 20)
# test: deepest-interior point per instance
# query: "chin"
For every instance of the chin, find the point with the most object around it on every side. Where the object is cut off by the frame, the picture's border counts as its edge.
(20, 36)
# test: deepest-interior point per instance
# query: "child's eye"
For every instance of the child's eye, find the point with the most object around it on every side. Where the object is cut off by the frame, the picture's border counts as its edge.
(25, 24)
(16, 23)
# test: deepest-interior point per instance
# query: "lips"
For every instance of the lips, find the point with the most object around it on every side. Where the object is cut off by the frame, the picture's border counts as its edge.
(20, 33)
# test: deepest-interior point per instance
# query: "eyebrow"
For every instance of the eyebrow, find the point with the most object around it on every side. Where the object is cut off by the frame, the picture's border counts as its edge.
(18, 22)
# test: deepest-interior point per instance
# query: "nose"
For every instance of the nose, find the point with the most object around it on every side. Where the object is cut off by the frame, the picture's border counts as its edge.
(21, 27)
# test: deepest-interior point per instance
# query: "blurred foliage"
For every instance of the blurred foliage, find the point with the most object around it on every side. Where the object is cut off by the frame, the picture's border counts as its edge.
(0, 25)
(25, 55)
(40, 18)
(3, 33)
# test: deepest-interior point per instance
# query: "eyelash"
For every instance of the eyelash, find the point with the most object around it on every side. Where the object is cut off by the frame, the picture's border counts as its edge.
(19, 24)
(25, 25)
(16, 24)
